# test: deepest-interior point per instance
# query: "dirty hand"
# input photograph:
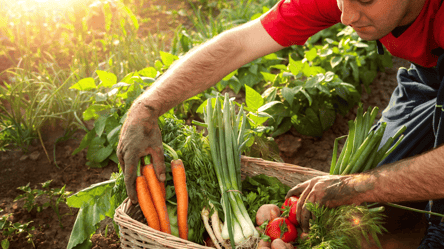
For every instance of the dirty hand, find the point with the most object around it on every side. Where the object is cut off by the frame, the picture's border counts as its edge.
(330, 191)
(140, 136)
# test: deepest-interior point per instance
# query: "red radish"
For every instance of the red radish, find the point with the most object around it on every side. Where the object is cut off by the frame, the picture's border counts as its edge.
(292, 215)
(289, 202)
(281, 228)
(288, 209)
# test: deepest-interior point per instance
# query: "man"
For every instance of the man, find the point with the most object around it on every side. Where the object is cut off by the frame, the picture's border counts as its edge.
(410, 29)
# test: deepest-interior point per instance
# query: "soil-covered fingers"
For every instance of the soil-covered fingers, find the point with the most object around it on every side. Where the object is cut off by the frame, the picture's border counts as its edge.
(302, 214)
(130, 172)
(297, 190)
(158, 161)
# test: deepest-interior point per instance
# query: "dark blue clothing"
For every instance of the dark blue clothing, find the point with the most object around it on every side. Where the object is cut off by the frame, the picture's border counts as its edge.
(417, 102)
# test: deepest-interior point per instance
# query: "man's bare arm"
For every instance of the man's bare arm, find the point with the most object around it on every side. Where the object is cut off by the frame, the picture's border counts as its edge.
(412, 179)
(207, 64)
(198, 70)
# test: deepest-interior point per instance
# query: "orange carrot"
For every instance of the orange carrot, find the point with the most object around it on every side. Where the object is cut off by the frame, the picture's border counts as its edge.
(146, 203)
(158, 199)
(162, 187)
(180, 186)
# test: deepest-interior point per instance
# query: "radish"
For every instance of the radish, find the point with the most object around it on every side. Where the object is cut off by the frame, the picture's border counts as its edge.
(288, 209)
(281, 228)
(289, 202)
(267, 212)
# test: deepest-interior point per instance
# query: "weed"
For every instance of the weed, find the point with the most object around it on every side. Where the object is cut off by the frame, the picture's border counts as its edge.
(53, 196)
(9, 229)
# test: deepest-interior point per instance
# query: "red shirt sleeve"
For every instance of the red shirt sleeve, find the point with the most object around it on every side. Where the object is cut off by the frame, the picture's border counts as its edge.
(292, 22)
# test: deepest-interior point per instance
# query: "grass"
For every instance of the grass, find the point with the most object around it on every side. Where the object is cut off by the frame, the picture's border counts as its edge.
(54, 46)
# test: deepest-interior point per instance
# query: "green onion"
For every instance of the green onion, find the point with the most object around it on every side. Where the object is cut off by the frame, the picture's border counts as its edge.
(226, 134)
(360, 152)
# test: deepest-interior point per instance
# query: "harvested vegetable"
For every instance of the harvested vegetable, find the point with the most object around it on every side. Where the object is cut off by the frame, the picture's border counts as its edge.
(360, 151)
(158, 199)
(264, 243)
(202, 187)
(288, 209)
(206, 219)
(267, 212)
(172, 214)
(226, 134)
(280, 244)
(281, 228)
(146, 203)
(217, 226)
(180, 186)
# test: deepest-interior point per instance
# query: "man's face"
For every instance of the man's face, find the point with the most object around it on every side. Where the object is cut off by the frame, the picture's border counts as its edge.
(373, 19)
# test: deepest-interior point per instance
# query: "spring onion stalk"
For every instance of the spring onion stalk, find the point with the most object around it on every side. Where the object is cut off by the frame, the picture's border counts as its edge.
(226, 135)
(361, 151)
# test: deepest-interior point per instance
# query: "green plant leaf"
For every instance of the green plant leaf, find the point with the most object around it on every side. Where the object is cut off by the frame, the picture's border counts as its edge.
(253, 68)
(355, 70)
(148, 72)
(167, 58)
(312, 82)
(329, 76)
(95, 202)
(107, 79)
(309, 71)
(113, 135)
(85, 141)
(268, 77)
(295, 67)
(85, 84)
(282, 128)
(93, 111)
(335, 61)
(99, 125)
(121, 84)
(5, 244)
(100, 97)
(288, 93)
(274, 105)
(311, 54)
(327, 116)
(97, 152)
(308, 124)
(256, 119)
(228, 77)
(253, 99)
(361, 45)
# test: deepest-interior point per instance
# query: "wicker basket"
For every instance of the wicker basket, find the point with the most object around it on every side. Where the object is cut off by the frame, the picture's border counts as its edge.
(134, 233)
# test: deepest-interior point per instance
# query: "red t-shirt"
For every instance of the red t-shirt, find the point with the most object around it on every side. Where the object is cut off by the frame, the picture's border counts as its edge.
(292, 22)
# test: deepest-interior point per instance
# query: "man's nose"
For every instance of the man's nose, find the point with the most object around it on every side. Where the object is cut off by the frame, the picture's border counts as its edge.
(350, 13)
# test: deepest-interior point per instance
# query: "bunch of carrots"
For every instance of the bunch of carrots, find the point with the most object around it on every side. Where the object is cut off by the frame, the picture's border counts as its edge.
(152, 197)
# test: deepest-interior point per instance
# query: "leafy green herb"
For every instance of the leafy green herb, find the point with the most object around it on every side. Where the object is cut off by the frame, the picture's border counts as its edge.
(262, 189)
(343, 227)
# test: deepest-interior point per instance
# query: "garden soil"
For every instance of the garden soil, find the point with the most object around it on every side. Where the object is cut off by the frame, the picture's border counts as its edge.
(54, 161)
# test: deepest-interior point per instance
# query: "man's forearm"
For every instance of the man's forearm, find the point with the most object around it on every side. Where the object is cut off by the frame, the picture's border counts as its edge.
(412, 179)
(198, 70)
